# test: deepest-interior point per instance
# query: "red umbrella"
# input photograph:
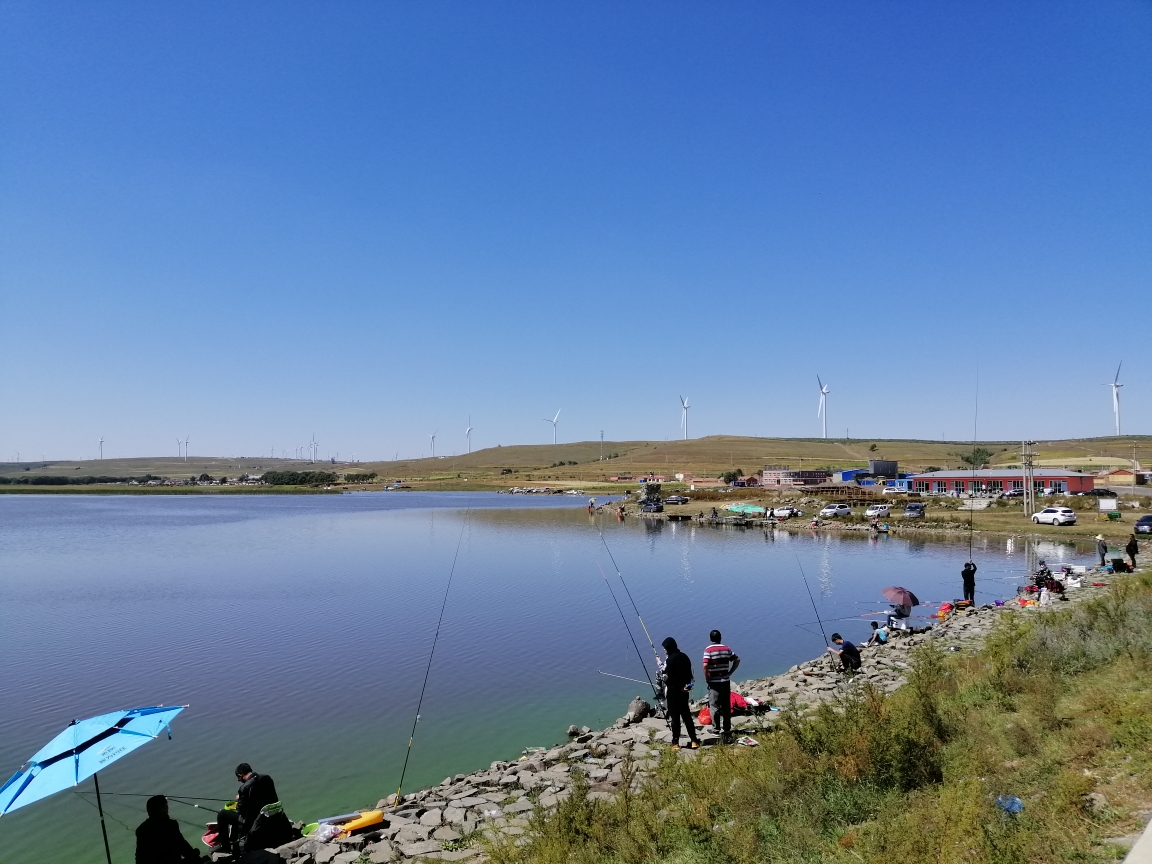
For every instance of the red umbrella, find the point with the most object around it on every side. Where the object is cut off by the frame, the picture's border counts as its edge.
(900, 596)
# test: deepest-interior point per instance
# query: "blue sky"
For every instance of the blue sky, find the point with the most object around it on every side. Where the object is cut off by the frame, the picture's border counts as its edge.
(251, 223)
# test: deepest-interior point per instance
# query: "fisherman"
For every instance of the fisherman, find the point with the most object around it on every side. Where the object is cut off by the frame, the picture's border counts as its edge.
(1101, 548)
(678, 681)
(1133, 549)
(848, 653)
(719, 664)
(256, 792)
(968, 575)
(879, 635)
(899, 612)
(158, 838)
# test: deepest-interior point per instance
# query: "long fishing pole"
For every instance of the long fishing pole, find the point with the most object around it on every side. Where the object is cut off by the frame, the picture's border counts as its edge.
(639, 656)
(812, 600)
(620, 576)
(431, 654)
(622, 677)
(975, 419)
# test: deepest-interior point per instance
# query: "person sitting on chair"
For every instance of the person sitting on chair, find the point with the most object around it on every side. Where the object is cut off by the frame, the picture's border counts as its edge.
(257, 794)
(158, 838)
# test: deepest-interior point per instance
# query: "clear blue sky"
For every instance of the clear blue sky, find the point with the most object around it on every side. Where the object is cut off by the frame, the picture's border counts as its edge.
(253, 222)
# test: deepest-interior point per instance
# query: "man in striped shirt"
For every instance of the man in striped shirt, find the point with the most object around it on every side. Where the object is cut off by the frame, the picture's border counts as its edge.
(719, 664)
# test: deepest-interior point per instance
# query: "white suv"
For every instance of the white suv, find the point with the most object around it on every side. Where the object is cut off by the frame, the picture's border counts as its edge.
(836, 510)
(1055, 516)
(878, 510)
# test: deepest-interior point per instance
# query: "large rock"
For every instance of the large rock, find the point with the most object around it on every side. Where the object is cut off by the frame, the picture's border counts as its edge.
(432, 818)
(426, 847)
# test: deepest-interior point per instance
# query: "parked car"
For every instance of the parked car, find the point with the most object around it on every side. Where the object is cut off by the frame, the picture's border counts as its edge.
(914, 511)
(1013, 493)
(675, 499)
(1055, 516)
(786, 512)
(892, 490)
(877, 510)
(652, 507)
(836, 510)
(1143, 524)
(1099, 493)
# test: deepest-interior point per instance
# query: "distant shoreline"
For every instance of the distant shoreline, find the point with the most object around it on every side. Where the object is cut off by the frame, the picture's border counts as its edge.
(113, 489)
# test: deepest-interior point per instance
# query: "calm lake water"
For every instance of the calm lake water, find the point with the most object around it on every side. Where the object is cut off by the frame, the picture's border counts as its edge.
(297, 628)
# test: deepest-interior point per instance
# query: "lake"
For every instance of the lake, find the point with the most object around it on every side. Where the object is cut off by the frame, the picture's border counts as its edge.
(297, 630)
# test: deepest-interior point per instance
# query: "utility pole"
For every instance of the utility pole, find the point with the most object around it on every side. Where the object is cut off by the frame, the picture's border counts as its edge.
(602, 447)
(1027, 456)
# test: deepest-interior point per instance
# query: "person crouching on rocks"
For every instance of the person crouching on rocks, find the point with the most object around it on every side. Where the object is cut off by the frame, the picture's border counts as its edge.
(678, 680)
(848, 653)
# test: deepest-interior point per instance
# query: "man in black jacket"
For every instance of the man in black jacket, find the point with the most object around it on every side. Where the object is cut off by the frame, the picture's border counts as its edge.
(256, 792)
(158, 838)
(678, 680)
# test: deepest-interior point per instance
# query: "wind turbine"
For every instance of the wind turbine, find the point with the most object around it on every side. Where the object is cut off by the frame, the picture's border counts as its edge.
(468, 433)
(185, 448)
(1116, 385)
(822, 411)
(178, 442)
(433, 437)
(553, 422)
(101, 446)
(684, 406)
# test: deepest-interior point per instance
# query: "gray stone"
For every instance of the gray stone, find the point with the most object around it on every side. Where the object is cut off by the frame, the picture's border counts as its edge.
(432, 818)
(454, 815)
(346, 858)
(509, 780)
(520, 806)
(326, 853)
(445, 834)
(470, 801)
(459, 854)
(426, 847)
(413, 833)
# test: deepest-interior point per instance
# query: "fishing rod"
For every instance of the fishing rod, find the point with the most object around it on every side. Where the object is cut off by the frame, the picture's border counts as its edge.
(813, 601)
(639, 656)
(620, 576)
(623, 677)
(169, 797)
(197, 825)
(431, 654)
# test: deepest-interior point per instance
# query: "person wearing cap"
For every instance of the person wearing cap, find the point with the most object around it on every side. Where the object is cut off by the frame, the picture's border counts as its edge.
(1133, 549)
(678, 680)
(1101, 548)
(158, 838)
(255, 793)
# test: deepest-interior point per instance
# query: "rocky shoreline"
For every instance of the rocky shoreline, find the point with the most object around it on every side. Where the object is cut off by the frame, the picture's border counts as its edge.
(449, 822)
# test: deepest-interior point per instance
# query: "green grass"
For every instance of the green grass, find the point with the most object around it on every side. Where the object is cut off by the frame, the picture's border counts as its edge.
(1052, 709)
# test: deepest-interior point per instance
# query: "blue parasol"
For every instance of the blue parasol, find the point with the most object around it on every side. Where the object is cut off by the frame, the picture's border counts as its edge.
(81, 750)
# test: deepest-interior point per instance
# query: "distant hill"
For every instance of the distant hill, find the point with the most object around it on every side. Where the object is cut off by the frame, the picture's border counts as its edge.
(699, 456)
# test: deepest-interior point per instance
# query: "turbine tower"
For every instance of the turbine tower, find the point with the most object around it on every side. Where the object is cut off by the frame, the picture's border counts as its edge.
(684, 406)
(101, 446)
(178, 442)
(185, 448)
(468, 433)
(433, 437)
(553, 422)
(1116, 385)
(822, 411)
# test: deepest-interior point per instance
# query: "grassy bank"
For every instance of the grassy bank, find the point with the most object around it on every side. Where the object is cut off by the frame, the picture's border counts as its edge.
(1056, 709)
